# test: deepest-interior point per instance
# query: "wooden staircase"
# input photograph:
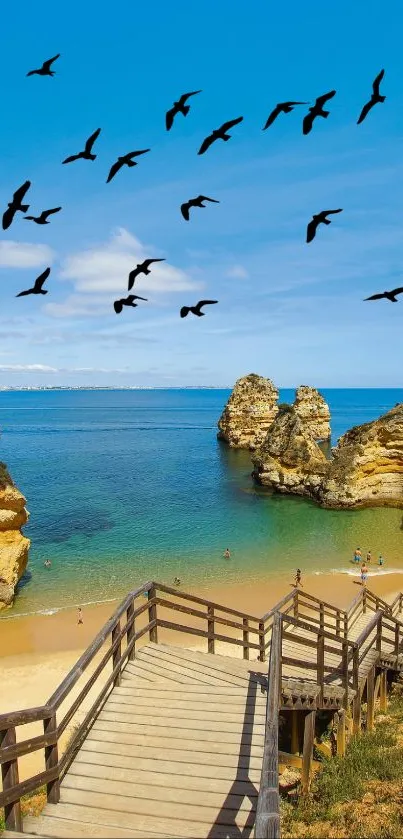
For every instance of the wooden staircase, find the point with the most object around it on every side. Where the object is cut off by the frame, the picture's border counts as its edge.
(178, 742)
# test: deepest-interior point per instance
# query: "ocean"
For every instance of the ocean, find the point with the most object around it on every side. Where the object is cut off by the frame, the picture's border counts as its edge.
(125, 486)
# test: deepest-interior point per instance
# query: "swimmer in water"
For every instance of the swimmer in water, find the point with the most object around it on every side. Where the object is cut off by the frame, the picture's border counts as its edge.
(381, 560)
(227, 553)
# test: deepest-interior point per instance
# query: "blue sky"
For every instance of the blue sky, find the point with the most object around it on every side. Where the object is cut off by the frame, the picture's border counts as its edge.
(286, 309)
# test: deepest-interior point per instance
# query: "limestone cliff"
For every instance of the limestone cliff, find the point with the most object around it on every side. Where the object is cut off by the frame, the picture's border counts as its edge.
(313, 411)
(13, 545)
(249, 412)
(366, 468)
(289, 460)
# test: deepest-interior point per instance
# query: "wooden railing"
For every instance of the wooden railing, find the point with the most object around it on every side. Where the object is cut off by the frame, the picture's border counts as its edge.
(325, 625)
(267, 822)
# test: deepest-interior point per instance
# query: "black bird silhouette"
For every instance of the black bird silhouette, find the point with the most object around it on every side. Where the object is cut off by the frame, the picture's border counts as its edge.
(282, 107)
(127, 301)
(179, 107)
(195, 202)
(142, 268)
(87, 153)
(219, 134)
(388, 295)
(316, 111)
(195, 309)
(15, 205)
(42, 219)
(375, 97)
(319, 218)
(37, 287)
(125, 159)
(45, 69)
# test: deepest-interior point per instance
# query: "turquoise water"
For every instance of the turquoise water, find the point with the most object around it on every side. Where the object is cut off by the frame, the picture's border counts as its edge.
(125, 486)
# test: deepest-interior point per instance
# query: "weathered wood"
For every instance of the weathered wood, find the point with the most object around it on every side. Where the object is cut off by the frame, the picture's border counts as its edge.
(295, 603)
(370, 698)
(262, 649)
(294, 732)
(307, 754)
(268, 800)
(25, 747)
(9, 774)
(197, 613)
(210, 629)
(397, 638)
(341, 733)
(277, 607)
(345, 676)
(51, 761)
(130, 629)
(117, 653)
(203, 633)
(322, 616)
(383, 697)
(320, 659)
(356, 700)
(152, 614)
(217, 606)
(15, 793)
(364, 600)
(245, 637)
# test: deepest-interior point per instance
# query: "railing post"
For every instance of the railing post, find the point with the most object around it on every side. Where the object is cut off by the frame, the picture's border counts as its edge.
(383, 697)
(210, 628)
(357, 698)
(9, 773)
(262, 652)
(345, 625)
(400, 602)
(341, 732)
(364, 600)
(117, 653)
(295, 599)
(379, 634)
(338, 622)
(245, 638)
(321, 616)
(51, 760)
(130, 630)
(397, 628)
(345, 674)
(152, 615)
(370, 699)
(321, 665)
(307, 753)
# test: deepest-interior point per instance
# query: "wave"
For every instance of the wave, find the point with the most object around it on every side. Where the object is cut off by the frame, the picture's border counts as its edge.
(54, 610)
(355, 572)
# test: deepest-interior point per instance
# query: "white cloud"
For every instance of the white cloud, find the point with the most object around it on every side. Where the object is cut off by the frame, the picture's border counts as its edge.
(106, 267)
(237, 272)
(27, 368)
(24, 255)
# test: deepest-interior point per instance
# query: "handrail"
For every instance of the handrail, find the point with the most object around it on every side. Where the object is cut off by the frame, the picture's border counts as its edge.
(267, 821)
(287, 597)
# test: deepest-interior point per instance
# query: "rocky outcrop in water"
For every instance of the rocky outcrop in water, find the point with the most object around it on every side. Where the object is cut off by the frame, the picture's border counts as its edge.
(366, 468)
(313, 411)
(249, 412)
(13, 545)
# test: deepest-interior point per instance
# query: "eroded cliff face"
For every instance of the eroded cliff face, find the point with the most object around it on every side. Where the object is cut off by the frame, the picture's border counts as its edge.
(289, 460)
(314, 412)
(249, 412)
(13, 545)
(366, 468)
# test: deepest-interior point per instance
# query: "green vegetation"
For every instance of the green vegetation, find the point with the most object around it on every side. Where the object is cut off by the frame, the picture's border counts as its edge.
(360, 795)
(5, 478)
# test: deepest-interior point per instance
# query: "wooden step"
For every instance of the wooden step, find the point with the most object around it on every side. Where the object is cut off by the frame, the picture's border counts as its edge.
(197, 668)
(64, 828)
(111, 732)
(182, 702)
(233, 733)
(194, 720)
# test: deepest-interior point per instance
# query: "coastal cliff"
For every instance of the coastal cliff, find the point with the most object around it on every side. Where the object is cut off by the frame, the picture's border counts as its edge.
(13, 545)
(249, 412)
(366, 468)
(313, 411)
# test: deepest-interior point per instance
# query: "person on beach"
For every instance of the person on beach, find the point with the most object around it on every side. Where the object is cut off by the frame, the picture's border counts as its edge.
(298, 578)
(177, 581)
(381, 560)
(357, 555)
(227, 553)
(80, 615)
(364, 573)
(369, 557)
(47, 563)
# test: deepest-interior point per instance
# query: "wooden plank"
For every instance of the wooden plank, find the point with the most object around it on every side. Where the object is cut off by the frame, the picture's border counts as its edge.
(66, 828)
(341, 733)
(209, 742)
(180, 772)
(166, 737)
(197, 670)
(307, 755)
(383, 697)
(130, 714)
(210, 703)
(10, 779)
(132, 687)
(166, 809)
(177, 724)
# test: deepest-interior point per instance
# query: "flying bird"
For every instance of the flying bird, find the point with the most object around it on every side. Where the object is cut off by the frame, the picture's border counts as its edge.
(42, 219)
(219, 134)
(15, 205)
(179, 107)
(142, 268)
(125, 159)
(282, 107)
(195, 202)
(37, 288)
(375, 97)
(316, 111)
(388, 295)
(87, 153)
(319, 218)
(45, 69)
(195, 309)
(127, 301)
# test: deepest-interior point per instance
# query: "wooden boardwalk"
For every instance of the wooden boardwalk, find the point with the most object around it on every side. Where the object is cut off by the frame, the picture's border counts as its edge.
(176, 748)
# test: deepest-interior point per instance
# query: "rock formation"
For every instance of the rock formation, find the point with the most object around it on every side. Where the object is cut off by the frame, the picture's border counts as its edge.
(289, 460)
(249, 412)
(366, 468)
(13, 545)
(313, 411)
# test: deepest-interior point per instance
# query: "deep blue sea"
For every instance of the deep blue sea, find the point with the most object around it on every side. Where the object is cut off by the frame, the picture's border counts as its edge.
(127, 486)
